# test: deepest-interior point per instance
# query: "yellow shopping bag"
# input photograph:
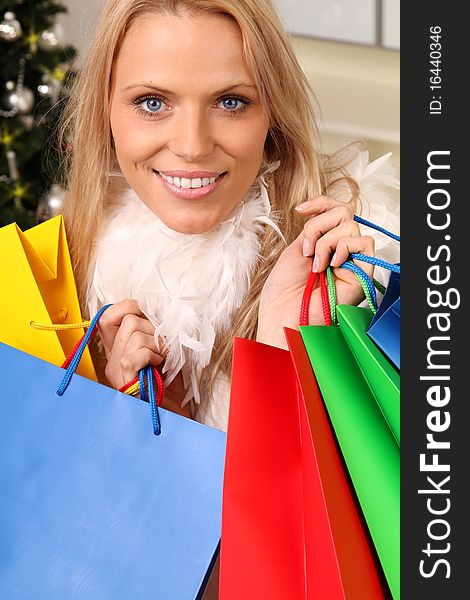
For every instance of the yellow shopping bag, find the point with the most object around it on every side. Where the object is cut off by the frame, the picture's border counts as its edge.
(38, 287)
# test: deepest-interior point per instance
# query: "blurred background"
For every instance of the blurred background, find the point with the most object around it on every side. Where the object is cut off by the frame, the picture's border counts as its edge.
(349, 49)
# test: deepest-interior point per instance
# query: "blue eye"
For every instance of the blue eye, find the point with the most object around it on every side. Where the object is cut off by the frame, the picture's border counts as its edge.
(232, 104)
(152, 104)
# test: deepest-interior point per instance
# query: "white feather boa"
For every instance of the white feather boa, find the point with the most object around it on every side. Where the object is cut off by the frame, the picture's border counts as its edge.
(187, 285)
(190, 285)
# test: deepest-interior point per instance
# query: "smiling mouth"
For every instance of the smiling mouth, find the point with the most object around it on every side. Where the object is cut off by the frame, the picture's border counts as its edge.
(187, 183)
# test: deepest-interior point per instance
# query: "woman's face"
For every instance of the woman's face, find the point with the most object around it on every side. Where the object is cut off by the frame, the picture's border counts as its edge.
(187, 122)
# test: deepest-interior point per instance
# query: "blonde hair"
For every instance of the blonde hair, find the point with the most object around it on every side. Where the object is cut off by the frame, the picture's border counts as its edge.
(292, 138)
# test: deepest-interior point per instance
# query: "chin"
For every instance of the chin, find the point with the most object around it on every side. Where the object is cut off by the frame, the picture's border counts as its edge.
(192, 225)
(195, 221)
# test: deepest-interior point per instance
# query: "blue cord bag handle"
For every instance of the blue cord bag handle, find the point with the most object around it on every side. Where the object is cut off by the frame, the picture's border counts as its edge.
(360, 273)
(362, 221)
(145, 372)
(152, 399)
(372, 259)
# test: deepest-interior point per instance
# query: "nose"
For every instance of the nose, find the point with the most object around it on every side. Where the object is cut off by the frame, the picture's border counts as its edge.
(191, 137)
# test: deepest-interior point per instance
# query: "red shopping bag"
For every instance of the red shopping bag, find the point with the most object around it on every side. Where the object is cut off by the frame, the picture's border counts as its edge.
(291, 527)
(347, 533)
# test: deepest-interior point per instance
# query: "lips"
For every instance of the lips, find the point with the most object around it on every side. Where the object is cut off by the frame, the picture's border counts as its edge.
(190, 184)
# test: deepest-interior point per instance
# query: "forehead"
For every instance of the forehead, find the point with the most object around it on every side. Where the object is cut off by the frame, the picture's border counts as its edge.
(202, 48)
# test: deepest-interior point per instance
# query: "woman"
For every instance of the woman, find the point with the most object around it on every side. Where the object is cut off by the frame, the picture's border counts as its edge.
(186, 115)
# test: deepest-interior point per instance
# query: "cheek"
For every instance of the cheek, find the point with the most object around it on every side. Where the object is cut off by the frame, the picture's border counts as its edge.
(255, 145)
(249, 148)
(133, 141)
(254, 134)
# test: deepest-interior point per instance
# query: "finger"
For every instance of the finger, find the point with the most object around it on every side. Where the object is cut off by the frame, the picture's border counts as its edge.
(139, 339)
(293, 258)
(319, 226)
(296, 246)
(326, 245)
(131, 325)
(111, 320)
(122, 369)
(347, 246)
(126, 359)
(131, 364)
(322, 204)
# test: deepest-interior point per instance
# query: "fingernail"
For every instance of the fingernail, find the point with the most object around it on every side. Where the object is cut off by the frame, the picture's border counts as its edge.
(307, 248)
(304, 205)
(333, 260)
(316, 264)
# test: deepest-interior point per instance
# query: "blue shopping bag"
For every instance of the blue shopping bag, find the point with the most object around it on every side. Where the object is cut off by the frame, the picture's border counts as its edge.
(384, 328)
(92, 503)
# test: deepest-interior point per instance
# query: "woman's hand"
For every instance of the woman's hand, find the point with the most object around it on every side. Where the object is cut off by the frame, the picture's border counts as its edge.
(330, 236)
(129, 343)
(128, 339)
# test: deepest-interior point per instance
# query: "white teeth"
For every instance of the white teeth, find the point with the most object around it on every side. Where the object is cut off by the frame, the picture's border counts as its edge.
(186, 183)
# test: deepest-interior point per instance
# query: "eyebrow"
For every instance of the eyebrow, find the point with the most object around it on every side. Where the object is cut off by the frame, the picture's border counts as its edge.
(153, 87)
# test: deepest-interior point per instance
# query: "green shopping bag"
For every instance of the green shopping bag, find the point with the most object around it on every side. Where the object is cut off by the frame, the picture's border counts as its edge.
(366, 439)
(379, 372)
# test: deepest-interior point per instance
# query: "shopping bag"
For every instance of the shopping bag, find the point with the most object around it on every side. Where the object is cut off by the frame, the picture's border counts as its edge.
(38, 287)
(262, 546)
(380, 374)
(348, 534)
(290, 524)
(94, 505)
(368, 444)
(379, 370)
(384, 328)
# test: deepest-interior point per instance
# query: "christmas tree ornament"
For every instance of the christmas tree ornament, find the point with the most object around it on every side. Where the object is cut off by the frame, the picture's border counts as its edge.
(11, 90)
(12, 165)
(45, 90)
(50, 204)
(32, 40)
(6, 137)
(10, 27)
(19, 192)
(10, 85)
(5, 101)
(51, 84)
(59, 73)
(48, 41)
(18, 99)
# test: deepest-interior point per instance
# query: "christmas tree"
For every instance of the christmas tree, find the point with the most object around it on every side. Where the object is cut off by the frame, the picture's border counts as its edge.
(35, 72)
